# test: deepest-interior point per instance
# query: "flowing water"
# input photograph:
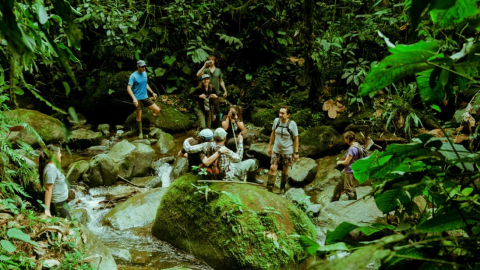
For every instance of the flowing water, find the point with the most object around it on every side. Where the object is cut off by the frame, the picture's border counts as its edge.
(133, 248)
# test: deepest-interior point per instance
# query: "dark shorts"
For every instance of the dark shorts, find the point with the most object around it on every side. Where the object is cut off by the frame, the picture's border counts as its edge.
(145, 103)
(60, 209)
(282, 159)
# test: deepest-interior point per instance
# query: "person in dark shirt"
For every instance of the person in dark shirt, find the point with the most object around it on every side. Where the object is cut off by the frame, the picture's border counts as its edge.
(349, 183)
(195, 159)
(233, 124)
(206, 101)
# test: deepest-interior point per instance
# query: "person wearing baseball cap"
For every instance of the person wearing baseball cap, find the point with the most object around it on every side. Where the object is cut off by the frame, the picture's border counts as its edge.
(137, 89)
(195, 159)
(230, 163)
(206, 102)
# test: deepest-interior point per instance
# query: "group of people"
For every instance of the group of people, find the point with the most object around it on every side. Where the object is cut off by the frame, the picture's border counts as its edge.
(225, 146)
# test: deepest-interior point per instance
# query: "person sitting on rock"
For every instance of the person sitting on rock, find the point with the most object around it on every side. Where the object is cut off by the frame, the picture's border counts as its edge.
(349, 182)
(233, 124)
(195, 159)
(230, 165)
(137, 89)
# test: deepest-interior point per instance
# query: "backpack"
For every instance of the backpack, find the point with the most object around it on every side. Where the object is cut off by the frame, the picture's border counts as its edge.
(213, 171)
(362, 151)
(287, 127)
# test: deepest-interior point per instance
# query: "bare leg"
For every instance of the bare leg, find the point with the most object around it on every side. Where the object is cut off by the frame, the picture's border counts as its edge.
(155, 109)
(139, 121)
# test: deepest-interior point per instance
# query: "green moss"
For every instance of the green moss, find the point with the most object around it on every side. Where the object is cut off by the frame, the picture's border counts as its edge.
(303, 118)
(320, 140)
(264, 117)
(226, 237)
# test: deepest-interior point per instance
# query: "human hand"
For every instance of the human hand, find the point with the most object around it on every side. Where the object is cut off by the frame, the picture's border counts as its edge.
(47, 212)
(240, 138)
(225, 94)
(154, 95)
(203, 96)
(339, 163)
(223, 150)
(296, 157)
(135, 102)
(213, 96)
(269, 150)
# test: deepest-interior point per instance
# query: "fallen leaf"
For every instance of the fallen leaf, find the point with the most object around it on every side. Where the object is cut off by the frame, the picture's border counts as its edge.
(378, 113)
(350, 114)
(271, 235)
(333, 108)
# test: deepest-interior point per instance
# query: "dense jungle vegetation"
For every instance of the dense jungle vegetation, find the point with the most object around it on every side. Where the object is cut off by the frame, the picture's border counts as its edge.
(405, 63)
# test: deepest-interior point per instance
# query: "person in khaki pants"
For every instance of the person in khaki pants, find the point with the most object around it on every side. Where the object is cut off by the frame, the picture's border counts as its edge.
(349, 183)
(284, 139)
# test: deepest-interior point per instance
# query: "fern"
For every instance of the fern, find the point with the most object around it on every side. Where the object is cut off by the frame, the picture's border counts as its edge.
(231, 40)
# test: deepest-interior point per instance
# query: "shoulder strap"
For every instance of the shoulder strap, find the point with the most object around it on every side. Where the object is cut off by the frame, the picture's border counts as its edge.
(278, 124)
(360, 150)
(288, 126)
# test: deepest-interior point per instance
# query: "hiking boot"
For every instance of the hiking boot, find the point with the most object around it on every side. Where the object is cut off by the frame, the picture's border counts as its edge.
(353, 198)
(283, 183)
(252, 177)
(271, 182)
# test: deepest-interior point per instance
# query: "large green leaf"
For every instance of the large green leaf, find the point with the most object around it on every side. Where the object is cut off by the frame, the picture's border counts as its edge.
(340, 232)
(390, 200)
(419, 6)
(8, 246)
(429, 95)
(308, 245)
(405, 60)
(451, 154)
(361, 168)
(18, 234)
(440, 223)
(443, 18)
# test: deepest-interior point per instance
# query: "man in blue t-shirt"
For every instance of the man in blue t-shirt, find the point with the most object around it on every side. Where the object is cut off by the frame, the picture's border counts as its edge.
(137, 89)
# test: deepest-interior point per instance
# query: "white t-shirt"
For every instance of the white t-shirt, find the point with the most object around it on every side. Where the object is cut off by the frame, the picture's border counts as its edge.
(283, 140)
(52, 175)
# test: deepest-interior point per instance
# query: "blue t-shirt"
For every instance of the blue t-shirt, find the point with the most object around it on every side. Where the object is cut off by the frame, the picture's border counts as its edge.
(139, 85)
(352, 151)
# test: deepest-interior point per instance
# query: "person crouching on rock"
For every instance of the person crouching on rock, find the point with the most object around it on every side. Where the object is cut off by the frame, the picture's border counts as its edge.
(56, 189)
(230, 165)
(195, 159)
(137, 89)
(233, 124)
(349, 183)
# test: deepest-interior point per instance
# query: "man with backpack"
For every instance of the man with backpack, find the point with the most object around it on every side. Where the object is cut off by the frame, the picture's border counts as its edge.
(354, 152)
(223, 162)
(195, 159)
(284, 139)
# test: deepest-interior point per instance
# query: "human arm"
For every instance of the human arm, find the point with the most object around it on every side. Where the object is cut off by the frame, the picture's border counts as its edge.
(151, 91)
(242, 127)
(272, 139)
(226, 122)
(346, 161)
(181, 154)
(213, 96)
(130, 92)
(222, 84)
(200, 71)
(296, 156)
(207, 161)
(48, 198)
(196, 93)
(236, 157)
(193, 148)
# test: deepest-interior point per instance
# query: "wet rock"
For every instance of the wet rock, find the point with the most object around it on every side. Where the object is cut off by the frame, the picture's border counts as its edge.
(298, 197)
(314, 209)
(50, 263)
(144, 141)
(180, 167)
(98, 148)
(76, 169)
(96, 252)
(81, 120)
(102, 171)
(148, 181)
(81, 215)
(104, 128)
(136, 211)
(141, 256)
(165, 142)
(169, 119)
(187, 220)
(303, 171)
(48, 128)
(359, 212)
(260, 152)
(132, 159)
(320, 140)
(84, 138)
(321, 189)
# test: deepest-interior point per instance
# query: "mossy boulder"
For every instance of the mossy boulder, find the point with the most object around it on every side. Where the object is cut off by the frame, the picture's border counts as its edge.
(48, 128)
(234, 227)
(319, 141)
(136, 211)
(133, 159)
(303, 118)
(76, 169)
(84, 138)
(260, 152)
(101, 105)
(169, 119)
(263, 117)
(102, 171)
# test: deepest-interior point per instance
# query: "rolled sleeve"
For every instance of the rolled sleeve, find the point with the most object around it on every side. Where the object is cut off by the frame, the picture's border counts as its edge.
(194, 148)
(236, 157)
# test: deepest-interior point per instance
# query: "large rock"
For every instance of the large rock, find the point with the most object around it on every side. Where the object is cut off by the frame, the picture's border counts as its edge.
(165, 142)
(84, 138)
(49, 128)
(303, 171)
(102, 171)
(180, 167)
(81, 215)
(148, 181)
(99, 255)
(136, 211)
(132, 159)
(169, 120)
(321, 189)
(263, 117)
(320, 140)
(234, 227)
(76, 169)
(260, 152)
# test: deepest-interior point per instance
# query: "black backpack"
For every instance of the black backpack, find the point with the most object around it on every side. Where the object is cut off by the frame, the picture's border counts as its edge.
(287, 127)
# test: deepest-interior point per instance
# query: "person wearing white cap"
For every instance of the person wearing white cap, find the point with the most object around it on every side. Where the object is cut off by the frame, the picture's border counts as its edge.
(230, 165)
(137, 89)
(195, 159)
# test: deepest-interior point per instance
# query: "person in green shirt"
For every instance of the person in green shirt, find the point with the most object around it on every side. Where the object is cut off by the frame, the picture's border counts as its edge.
(216, 80)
